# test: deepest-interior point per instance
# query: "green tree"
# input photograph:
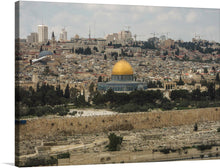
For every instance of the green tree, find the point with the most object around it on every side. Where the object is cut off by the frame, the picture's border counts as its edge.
(165, 53)
(179, 94)
(61, 110)
(110, 95)
(121, 98)
(186, 58)
(48, 43)
(195, 127)
(100, 79)
(105, 57)
(114, 142)
(80, 101)
(180, 82)
(142, 97)
(98, 99)
(59, 91)
(67, 92)
(41, 49)
(217, 93)
(196, 94)
(96, 49)
(152, 96)
(51, 97)
(205, 70)
(91, 88)
(166, 104)
(211, 91)
(217, 79)
(38, 86)
(204, 82)
(152, 84)
(73, 93)
(138, 97)
(159, 84)
(177, 51)
(87, 51)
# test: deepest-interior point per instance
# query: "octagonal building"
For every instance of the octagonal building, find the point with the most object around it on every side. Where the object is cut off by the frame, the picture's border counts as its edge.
(122, 79)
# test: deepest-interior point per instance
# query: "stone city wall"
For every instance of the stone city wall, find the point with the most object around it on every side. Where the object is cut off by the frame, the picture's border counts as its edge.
(67, 126)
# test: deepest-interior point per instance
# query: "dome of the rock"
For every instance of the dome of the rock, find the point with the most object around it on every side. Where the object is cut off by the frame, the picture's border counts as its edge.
(122, 67)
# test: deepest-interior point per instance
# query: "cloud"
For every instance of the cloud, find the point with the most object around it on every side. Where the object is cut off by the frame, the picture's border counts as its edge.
(162, 17)
(211, 32)
(173, 14)
(152, 9)
(104, 19)
(64, 18)
(191, 17)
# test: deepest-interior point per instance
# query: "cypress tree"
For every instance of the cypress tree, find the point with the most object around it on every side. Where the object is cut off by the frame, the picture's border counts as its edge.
(67, 92)
(59, 91)
(41, 49)
(180, 82)
(100, 79)
(217, 77)
(91, 88)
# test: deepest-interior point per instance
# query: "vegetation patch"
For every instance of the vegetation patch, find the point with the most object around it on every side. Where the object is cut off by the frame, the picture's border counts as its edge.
(73, 113)
(122, 127)
(40, 161)
(195, 127)
(63, 156)
(50, 100)
(167, 150)
(186, 147)
(114, 142)
(204, 147)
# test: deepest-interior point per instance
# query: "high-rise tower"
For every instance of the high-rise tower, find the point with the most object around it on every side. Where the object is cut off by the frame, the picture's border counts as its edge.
(42, 33)
(63, 35)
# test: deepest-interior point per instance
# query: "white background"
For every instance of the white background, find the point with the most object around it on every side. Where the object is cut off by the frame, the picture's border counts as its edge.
(7, 81)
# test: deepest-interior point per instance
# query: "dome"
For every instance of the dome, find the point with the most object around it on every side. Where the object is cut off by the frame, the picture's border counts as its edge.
(76, 36)
(44, 53)
(122, 67)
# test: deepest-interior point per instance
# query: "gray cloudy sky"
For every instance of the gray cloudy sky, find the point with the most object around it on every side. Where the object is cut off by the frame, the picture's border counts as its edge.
(182, 23)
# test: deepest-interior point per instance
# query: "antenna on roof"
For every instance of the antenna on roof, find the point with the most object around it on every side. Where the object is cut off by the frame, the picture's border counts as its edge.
(89, 33)
(154, 34)
(94, 30)
(167, 33)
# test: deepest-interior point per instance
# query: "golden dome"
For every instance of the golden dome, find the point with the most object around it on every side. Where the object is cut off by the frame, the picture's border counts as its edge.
(122, 67)
(76, 36)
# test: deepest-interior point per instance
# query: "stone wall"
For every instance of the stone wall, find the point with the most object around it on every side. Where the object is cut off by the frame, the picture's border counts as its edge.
(66, 126)
(142, 156)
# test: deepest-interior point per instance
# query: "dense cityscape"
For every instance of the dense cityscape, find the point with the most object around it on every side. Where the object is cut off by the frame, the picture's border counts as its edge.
(81, 62)
(120, 98)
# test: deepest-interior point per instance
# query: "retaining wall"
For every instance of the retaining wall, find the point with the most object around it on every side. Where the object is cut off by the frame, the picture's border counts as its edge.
(66, 126)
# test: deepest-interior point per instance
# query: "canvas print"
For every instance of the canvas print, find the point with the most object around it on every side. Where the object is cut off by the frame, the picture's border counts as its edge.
(99, 84)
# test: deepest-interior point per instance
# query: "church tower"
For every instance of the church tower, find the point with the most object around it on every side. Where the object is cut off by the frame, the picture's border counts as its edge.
(53, 41)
